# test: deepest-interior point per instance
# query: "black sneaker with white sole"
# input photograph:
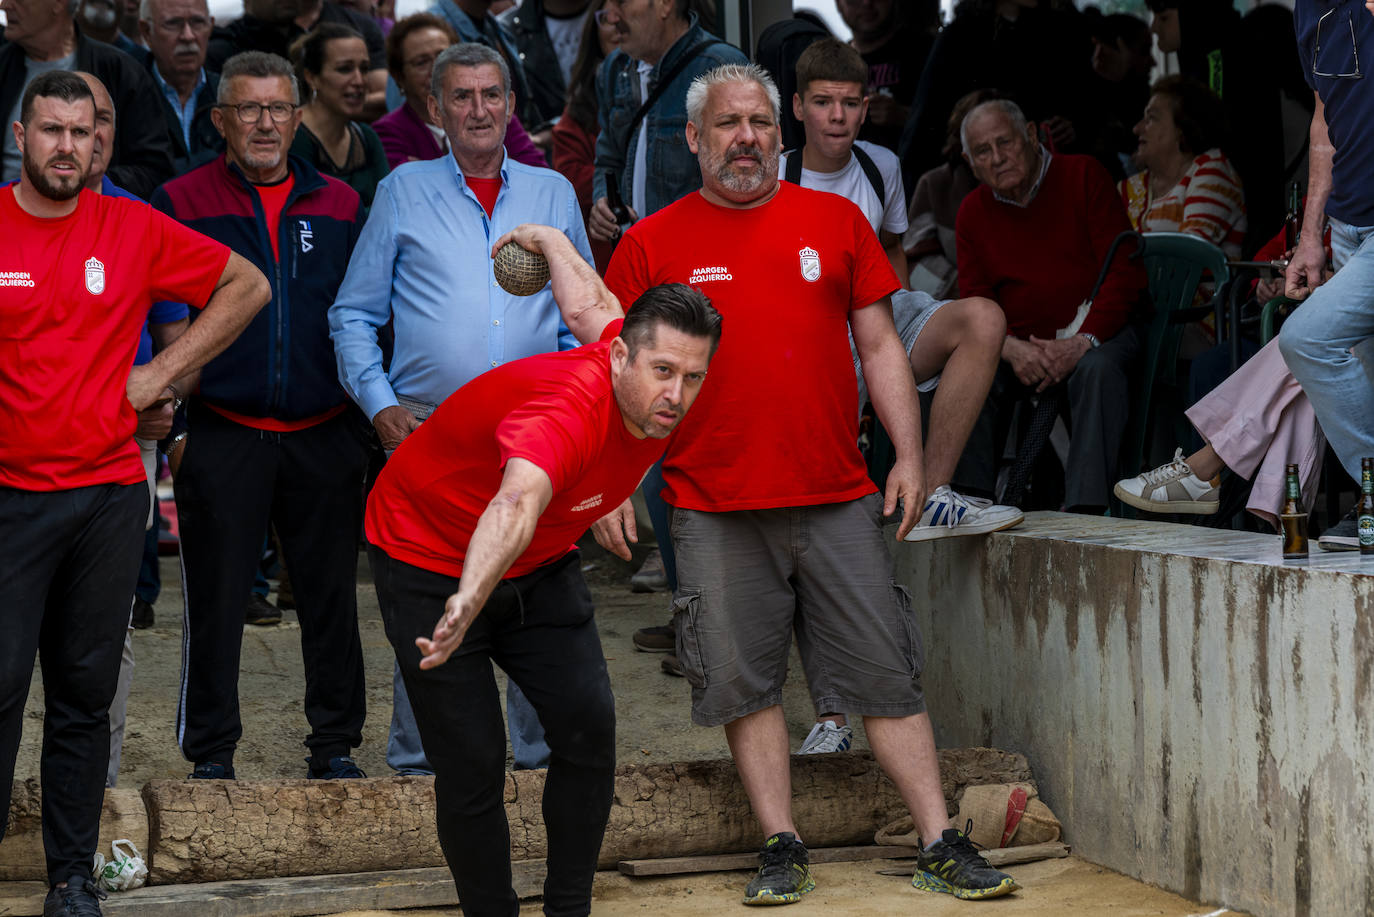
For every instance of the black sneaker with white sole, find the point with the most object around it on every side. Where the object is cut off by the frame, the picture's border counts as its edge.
(953, 866)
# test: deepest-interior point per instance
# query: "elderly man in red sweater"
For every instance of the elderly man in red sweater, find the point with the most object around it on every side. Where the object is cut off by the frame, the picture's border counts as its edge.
(1033, 238)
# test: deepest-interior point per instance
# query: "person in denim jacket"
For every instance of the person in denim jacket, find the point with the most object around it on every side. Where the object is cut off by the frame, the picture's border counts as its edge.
(654, 167)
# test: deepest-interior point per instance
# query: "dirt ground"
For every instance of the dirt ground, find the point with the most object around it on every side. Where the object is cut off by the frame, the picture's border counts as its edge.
(1053, 888)
(652, 725)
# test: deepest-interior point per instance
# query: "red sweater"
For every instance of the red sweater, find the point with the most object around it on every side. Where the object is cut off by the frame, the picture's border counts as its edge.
(1040, 262)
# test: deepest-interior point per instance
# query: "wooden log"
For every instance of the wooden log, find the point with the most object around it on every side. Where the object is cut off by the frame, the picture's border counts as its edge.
(21, 854)
(204, 831)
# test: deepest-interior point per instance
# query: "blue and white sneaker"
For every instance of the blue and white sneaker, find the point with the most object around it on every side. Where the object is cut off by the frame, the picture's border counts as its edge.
(825, 738)
(948, 513)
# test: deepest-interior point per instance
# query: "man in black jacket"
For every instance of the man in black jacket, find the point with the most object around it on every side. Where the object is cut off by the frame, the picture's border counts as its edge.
(177, 33)
(547, 34)
(44, 37)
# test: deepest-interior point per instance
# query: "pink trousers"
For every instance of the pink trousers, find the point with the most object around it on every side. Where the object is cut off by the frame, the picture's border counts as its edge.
(1258, 421)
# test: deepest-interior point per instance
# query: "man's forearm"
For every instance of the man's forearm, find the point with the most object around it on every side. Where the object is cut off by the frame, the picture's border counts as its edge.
(1319, 159)
(892, 389)
(242, 291)
(504, 530)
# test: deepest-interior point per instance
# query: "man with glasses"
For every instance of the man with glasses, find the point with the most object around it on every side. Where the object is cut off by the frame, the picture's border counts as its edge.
(271, 436)
(177, 33)
(1324, 341)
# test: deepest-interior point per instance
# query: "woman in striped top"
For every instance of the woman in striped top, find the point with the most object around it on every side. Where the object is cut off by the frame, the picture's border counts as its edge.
(1186, 184)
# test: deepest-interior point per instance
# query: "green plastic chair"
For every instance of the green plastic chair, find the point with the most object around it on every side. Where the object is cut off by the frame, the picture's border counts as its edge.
(1176, 264)
(1269, 316)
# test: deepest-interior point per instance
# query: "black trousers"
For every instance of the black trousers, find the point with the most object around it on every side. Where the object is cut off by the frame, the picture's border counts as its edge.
(71, 561)
(538, 628)
(1099, 391)
(233, 481)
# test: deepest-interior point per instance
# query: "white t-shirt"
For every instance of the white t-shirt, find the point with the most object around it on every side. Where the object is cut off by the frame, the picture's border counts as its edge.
(853, 183)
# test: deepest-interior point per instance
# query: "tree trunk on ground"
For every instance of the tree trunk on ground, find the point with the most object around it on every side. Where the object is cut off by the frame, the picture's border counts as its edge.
(205, 831)
(21, 855)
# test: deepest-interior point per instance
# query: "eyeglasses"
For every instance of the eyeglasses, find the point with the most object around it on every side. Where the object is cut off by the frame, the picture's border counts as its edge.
(600, 16)
(251, 112)
(174, 26)
(1354, 48)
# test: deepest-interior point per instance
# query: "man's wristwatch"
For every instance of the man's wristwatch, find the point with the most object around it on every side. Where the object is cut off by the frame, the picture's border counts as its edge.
(1092, 339)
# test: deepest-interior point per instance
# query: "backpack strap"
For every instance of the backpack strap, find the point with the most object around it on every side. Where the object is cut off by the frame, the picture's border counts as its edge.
(875, 178)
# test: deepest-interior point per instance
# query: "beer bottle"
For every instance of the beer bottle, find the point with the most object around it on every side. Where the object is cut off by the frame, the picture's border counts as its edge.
(1292, 222)
(1364, 510)
(1293, 518)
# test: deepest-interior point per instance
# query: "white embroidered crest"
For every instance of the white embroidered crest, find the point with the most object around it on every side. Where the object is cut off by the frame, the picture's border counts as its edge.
(810, 264)
(95, 277)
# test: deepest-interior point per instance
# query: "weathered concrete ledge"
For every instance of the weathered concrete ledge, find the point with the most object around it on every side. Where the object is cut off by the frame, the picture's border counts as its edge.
(1196, 711)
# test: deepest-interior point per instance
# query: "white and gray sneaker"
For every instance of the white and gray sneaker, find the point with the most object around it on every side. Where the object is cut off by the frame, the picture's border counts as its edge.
(1171, 488)
(826, 737)
(948, 513)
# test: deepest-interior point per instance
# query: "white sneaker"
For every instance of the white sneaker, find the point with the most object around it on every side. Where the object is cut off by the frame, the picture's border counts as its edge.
(826, 737)
(948, 513)
(1171, 488)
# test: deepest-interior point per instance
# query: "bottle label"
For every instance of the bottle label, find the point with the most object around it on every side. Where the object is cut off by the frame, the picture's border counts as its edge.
(1293, 489)
(1366, 527)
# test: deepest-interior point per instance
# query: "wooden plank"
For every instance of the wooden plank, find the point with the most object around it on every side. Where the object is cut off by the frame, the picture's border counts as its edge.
(298, 896)
(723, 862)
(1002, 856)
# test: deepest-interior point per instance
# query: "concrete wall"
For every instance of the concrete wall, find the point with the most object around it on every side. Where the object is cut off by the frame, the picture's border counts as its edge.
(1196, 712)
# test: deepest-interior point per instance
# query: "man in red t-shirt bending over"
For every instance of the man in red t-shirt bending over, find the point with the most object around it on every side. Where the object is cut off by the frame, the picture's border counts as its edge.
(774, 518)
(78, 271)
(476, 512)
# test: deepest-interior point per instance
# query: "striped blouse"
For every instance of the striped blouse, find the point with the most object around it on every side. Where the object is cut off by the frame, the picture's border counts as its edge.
(1208, 202)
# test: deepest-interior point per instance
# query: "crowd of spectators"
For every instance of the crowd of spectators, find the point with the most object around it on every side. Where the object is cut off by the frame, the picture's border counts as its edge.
(364, 165)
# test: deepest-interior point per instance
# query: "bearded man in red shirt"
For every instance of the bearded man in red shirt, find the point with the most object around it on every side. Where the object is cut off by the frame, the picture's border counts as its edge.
(776, 523)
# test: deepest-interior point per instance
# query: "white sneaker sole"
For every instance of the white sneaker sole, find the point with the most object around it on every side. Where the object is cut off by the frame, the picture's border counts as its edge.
(1192, 507)
(931, 532)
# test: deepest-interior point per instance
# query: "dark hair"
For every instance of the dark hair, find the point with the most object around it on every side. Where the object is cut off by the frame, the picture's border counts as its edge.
(1131, 31)
(307, 52)
(403, 29)
(1159, 6)
(675, 305)
(1198, 112)
(56, 84)
(832, 60)
(582, 81)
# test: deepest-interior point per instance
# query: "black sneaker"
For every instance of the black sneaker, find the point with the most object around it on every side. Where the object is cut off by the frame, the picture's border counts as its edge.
(340, 767)
(212, 770)
(953, 866)
(784, 875)
(142, 616)
(80, 898)
(1344, 535)
(261, 612)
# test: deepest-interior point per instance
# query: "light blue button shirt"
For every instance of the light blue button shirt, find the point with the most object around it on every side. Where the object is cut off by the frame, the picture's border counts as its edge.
(424, 261)
(187, 112)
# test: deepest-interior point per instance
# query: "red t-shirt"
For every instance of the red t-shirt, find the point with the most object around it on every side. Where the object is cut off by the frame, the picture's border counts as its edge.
(556, 410)
(74, 293)
(486, 189)
(273, 198)
(774, 423)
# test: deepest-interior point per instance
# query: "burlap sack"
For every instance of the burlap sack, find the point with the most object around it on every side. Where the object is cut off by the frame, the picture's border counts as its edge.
(986, 807)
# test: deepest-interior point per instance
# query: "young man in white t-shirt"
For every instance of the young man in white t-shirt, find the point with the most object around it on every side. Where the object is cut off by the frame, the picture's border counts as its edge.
(957, 340)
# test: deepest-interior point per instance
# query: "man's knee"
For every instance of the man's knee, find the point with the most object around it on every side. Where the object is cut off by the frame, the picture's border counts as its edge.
(1295, 340)
(580, 728)
(1098, 372)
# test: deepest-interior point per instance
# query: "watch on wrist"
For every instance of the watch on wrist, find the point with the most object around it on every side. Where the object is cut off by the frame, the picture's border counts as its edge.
(1092, 339)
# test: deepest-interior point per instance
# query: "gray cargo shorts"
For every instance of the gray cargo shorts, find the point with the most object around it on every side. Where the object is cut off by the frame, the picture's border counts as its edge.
(747, 580)
(911, 309)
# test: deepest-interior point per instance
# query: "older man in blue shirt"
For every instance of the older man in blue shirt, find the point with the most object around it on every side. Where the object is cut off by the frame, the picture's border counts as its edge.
(422, 263)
